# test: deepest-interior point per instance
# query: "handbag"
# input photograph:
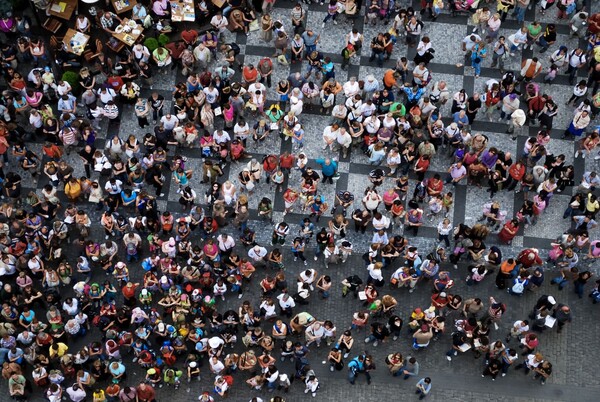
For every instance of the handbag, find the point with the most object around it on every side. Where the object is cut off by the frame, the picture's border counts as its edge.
(282, 59)
(254, 26)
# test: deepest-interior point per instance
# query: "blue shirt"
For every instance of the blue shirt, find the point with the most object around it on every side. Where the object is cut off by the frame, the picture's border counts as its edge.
(328, 170)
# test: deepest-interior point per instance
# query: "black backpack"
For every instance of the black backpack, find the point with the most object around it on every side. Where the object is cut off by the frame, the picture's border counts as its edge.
(236, 49)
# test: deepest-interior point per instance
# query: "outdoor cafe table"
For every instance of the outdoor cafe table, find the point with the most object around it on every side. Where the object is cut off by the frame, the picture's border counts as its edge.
(130, 37)
(63, 8)
(182, 10)
(122, 6)
(75, 41)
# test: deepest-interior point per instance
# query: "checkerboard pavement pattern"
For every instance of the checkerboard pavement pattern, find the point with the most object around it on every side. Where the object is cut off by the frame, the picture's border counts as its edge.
(459, 380)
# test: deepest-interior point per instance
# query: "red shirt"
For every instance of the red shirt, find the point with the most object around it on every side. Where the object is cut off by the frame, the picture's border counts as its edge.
(286, 162)
(189, 35)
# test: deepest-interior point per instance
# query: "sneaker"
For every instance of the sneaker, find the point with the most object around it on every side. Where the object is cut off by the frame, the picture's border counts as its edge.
(367, 340)
(314, 394)
(162, 195)
(482, 376)
(395, 338)
(295, 258)
(240, 296)
(375, 344)
(306, 391)
(597, 157)
(334, 23)
(449, 358)
(331, 368)
(503, 374)
(577, 154)
(322, 26)
(346, 355)
(316, 258)
(305, 262)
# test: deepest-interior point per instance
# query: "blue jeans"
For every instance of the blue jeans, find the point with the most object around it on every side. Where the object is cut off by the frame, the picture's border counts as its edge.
(226, 11)
(329, 17)
(544, 44)
(519, 13)
(3, 353)
(560, 281)
(310, 48)
(378, 56)
(476, 66)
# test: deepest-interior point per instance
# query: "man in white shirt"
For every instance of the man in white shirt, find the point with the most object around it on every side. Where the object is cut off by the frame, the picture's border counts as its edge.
(113, 186)
(351, 87)
(221, 137)
(226, 244)
(241, 130)
(258, 254)
(76, 393)
(308, 277)
(344, 140)
(219, 23)
(286, 303)
(202, 55)
(330, 134)
(169, 122)
(468, 43)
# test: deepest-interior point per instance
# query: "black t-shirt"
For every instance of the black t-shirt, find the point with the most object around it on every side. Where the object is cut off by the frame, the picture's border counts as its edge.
(88, 156)
(156, 103)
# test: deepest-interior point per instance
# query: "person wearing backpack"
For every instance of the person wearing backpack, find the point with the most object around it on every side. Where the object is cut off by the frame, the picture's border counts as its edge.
(356, 366)
(519, 284)
(347, 52)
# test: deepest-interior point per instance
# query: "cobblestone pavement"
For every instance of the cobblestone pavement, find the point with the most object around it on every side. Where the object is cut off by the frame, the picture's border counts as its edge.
(574, 352)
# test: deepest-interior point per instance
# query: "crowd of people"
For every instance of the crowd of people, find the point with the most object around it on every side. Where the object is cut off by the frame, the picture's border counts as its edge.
(80, 312)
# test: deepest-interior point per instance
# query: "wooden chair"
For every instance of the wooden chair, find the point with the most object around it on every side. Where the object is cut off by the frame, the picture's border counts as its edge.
(52, 25)
(116, 48)
(55, 43)
(89, 55)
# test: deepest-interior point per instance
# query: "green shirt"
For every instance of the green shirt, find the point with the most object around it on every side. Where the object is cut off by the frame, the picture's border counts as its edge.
(534, 30)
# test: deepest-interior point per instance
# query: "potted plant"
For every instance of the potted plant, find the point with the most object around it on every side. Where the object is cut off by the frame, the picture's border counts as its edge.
(163, 39)
(151, 44)
(73, 79)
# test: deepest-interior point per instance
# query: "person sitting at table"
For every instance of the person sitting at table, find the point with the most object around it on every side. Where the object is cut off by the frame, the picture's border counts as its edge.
(82, 24)
(160, 8)
(109, 21)
(189, 36)
(164, 26)
(231, 5)
(203, 7)
(139, 13)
